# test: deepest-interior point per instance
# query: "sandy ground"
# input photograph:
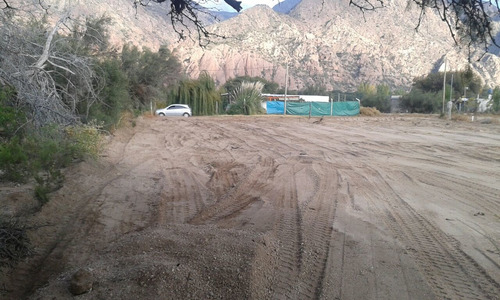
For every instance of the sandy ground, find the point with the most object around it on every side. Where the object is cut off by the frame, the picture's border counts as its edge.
(393, 207)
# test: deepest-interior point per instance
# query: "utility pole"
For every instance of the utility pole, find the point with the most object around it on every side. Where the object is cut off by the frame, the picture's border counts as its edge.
(451, 90)
(450, 102)
(444, 82)
(286, 86)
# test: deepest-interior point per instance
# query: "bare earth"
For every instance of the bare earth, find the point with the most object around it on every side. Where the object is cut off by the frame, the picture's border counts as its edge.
(273, 207)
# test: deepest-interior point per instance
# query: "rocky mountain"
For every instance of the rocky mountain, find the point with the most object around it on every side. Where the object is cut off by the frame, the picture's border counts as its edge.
(323, 42)
(333, 44)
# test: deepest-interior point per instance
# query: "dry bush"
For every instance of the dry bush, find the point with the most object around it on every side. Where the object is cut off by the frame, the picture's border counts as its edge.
(369, 111)
(14, 243)
(461, 118)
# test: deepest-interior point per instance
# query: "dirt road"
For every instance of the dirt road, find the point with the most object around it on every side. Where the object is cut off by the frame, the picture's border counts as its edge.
(395, 207)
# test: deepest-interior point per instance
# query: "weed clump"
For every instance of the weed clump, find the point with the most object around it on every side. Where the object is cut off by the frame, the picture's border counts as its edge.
(369, 111)
(14, 243)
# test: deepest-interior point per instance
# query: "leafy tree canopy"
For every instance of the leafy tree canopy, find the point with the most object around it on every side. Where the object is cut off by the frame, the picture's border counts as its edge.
(235, 83)
(463, 82)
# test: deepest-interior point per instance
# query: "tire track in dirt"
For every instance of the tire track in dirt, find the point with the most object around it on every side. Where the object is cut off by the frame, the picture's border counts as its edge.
(488, 198)
(287, 231)
(245, 191)
(76, 220)
(303, 228)
(317, 229)
(181, 197)
(449, 271)
(448, 252)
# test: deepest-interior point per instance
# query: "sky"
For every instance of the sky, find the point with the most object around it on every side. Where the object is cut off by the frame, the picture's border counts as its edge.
(220, 4)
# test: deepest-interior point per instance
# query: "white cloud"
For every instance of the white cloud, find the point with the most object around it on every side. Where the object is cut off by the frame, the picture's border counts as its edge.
(250, 3)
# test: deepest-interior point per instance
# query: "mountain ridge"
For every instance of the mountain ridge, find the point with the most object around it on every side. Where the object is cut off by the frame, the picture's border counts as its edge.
(323, 42)
(337, 50)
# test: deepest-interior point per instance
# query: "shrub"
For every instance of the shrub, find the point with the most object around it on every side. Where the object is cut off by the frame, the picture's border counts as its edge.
(42, 155)
(14, 163)
(10, 118)
(422, 102)
(248, 99)
(369, 111)
(14, 243)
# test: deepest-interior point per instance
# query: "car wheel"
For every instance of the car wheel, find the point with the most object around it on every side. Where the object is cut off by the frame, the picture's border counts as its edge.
(185, 115)
(161, 114)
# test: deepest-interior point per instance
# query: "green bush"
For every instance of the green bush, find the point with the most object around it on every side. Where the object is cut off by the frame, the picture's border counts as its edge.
(418, 101)
(42, 155)
(248, 99)
(14, 163)
(10, 118)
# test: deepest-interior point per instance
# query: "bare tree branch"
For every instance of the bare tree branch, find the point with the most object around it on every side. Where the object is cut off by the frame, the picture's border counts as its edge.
(49, 76)
(45, 55)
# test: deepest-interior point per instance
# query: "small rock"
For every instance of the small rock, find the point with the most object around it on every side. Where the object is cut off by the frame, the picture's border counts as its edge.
(81, 282)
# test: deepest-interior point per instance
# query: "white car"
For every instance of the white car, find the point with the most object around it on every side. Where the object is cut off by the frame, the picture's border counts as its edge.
(180, 110)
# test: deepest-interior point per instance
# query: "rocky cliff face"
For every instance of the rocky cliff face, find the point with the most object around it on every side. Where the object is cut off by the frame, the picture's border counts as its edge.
(323, 42)
(332, 44)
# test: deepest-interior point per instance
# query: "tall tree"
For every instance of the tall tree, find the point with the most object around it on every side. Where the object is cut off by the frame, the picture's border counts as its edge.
(201, 94)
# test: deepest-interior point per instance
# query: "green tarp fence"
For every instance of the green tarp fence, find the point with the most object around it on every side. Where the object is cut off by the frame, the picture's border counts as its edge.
(347, 108)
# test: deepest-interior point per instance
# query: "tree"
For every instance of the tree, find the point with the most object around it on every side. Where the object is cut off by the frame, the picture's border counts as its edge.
(234, 83)
(314, 90)
(426, 95)
(366, 89)
(418, 101)
(496, 99)
(201, 94)
(375, 96)
(50, 73)
(148, 72)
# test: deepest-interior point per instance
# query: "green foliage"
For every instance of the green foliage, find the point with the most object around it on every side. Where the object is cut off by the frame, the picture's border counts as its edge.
(42, 154)
(314, 90)
(496, 99)
(426, 95)
(10, 118)
(234, 83)
(114, 96)
(378, 97)
(147, 72)
(366, 89)
(201, 95)
(247, 99)
(418, 101)
(14, 164)
(465, 83)
(86, 140)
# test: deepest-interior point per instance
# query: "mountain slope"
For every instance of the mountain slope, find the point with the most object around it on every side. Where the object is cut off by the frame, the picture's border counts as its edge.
(331, 44)
(324, 42)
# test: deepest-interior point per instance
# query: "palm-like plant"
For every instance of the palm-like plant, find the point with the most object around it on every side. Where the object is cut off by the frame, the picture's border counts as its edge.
(247, 99)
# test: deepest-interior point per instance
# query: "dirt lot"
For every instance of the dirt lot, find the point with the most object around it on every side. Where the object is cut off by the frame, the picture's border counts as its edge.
(393, 207)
